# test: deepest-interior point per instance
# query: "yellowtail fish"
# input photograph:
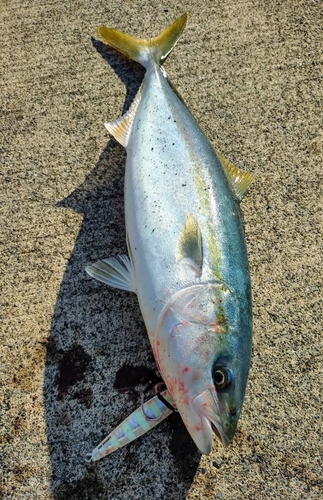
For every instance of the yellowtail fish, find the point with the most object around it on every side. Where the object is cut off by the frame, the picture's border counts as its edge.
(187, 254)
(138, 423)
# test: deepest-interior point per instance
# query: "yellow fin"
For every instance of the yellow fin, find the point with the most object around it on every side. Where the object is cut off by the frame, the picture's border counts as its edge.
(239, 179)
(141, 50)
(189, 245)
(120, 128)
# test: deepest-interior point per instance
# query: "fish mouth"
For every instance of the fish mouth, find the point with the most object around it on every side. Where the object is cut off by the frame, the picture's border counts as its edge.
(208, 411)
(220, 434)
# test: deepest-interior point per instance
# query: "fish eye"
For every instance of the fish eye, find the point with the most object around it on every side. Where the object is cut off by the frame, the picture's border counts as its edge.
(222, 377)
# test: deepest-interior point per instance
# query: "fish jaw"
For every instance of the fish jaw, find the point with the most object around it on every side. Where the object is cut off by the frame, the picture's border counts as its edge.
(203, 417)
(205, 404)
(202, 421)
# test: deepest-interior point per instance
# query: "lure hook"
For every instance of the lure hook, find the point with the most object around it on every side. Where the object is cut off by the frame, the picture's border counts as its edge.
(158, 390)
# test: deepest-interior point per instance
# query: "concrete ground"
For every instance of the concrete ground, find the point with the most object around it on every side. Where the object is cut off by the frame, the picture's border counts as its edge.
(74, 354)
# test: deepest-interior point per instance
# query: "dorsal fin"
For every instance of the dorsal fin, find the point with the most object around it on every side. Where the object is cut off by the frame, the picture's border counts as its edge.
(117, 272)
(120, 128)
(239, 179)
(189, 245)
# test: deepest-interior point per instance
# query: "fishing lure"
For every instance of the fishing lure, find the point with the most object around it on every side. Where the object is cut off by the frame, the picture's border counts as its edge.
(138, 423)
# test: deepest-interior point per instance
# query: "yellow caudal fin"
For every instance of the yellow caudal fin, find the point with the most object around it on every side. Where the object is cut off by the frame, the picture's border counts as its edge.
(145, 51)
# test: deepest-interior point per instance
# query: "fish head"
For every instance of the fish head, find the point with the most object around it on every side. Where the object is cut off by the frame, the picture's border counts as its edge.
(203, 349)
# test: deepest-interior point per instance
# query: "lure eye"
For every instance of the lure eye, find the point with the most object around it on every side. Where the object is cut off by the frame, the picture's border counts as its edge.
(222, 377)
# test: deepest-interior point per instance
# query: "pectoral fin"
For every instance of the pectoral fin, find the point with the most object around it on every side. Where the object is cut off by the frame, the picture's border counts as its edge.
(189, 245)
(239, 180)
(116, 272)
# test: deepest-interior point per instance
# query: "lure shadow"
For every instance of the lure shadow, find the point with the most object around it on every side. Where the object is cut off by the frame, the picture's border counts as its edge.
(95, 330)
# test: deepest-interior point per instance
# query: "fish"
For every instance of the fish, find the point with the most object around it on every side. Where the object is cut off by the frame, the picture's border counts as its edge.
(187, 259)
(146, 417)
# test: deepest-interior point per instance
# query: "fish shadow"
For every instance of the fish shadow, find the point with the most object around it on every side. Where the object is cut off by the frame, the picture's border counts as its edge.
(95, 331)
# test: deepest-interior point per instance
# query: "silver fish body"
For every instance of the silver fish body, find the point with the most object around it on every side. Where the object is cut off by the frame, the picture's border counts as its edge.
(188, 259)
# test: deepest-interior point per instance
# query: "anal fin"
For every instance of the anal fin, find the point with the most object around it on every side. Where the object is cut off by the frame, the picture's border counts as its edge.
(116, 272)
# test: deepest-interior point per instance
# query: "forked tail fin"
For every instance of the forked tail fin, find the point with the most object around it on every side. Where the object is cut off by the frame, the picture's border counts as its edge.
(145, 51)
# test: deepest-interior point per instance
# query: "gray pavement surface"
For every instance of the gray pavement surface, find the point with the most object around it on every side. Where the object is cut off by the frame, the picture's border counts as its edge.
(74, 354)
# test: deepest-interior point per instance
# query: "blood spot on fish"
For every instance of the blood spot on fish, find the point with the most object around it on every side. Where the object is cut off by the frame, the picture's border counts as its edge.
(186, 369)
(158, 343)
(216, 328)
(181, 386)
